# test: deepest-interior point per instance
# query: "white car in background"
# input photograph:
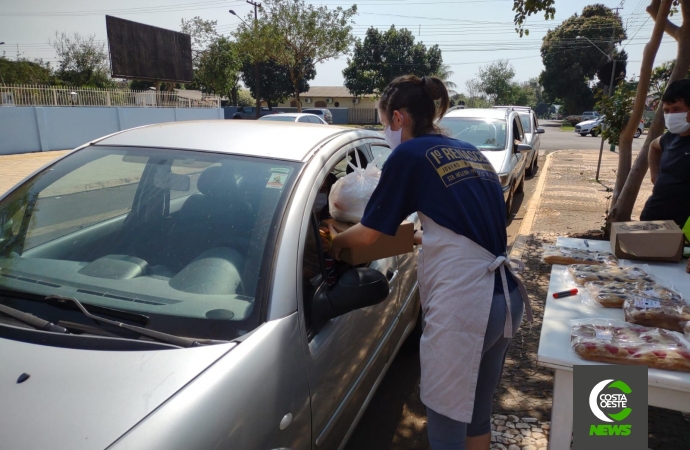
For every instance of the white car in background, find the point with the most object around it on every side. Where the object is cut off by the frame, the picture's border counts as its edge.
(296, 117)
(595, 126)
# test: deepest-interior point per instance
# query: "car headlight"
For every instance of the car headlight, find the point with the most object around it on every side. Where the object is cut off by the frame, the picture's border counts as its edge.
(504, 178)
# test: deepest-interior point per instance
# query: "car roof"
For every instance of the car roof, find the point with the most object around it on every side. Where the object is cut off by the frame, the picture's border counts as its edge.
(483, 113)
(262, 138)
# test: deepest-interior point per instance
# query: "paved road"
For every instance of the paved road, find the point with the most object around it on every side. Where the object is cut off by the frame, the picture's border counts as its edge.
(555, 139)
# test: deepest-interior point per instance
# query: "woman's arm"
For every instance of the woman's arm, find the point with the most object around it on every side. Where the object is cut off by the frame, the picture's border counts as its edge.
(356, 236)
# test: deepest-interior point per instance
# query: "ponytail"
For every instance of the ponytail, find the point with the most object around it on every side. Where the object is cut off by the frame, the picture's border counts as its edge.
(425, 100)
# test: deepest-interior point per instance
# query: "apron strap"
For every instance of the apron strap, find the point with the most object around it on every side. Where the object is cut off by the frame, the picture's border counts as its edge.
(501, 263)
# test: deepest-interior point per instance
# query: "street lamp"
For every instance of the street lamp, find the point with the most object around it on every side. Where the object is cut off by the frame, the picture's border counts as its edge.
(595, 45)
(256, 64)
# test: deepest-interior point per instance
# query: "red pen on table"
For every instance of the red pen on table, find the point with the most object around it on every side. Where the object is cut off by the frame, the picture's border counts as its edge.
(567, 293)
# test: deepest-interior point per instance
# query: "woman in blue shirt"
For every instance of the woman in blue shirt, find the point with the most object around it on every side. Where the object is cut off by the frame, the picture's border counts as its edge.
(471, 302)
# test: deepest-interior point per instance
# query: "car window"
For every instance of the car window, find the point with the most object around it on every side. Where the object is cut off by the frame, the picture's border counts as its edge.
(315, 120)
(525, 119)
(304, 119)
(183, 237)
(485, 134)
(278, 118)
(97, 191)
(382, 152)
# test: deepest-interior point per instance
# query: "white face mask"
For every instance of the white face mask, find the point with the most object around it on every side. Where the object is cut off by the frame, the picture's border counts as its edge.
(394, 138)
(677, 123)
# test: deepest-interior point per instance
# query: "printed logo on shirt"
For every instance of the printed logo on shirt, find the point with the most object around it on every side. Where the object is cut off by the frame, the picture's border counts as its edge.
(454, 165)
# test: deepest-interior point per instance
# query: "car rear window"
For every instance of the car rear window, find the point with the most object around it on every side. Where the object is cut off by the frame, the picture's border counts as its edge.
(485, 134)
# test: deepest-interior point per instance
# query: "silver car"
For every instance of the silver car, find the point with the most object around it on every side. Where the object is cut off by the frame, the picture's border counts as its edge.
(530, 125)
(167, 287)
(498, 133)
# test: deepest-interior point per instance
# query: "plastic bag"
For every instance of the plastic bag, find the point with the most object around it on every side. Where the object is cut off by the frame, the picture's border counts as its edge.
(582, 273)
(617, 342)
(612, 294)
(570, 255)
(350, 194)
(653, 311)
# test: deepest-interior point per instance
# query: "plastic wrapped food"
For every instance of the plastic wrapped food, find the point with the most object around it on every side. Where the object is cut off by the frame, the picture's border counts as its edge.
(612, 294)
(570, 255)
(582, 273)
(616, 342)
(658, 312)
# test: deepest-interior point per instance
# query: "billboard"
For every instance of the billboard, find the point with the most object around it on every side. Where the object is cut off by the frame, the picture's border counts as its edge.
(145, 52)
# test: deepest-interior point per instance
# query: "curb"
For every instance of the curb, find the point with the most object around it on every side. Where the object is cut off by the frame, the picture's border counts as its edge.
(532, 208)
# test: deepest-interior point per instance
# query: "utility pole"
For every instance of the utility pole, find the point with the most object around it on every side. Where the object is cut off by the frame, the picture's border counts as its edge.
(610, 93)
(256, 64)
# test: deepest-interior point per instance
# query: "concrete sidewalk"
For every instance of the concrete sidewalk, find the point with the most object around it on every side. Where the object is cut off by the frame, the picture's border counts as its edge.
(14, 168)
(568, 202)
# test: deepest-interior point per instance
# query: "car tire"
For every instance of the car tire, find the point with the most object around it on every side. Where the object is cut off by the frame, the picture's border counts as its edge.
(535, 165)
(595, 133)
(638, 133)
(509, 205)
(583, 134)
(237, 117)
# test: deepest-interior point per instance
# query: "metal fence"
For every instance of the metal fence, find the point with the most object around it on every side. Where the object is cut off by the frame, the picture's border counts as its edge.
(38, 95)
(362, 115)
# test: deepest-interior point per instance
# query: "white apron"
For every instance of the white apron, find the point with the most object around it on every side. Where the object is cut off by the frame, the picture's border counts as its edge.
(456, 279)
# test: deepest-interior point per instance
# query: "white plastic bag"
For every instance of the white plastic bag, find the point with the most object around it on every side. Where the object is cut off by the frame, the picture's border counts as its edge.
(350, 194)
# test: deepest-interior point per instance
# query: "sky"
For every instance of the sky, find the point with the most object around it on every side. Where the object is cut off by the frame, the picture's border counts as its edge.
(471, 33)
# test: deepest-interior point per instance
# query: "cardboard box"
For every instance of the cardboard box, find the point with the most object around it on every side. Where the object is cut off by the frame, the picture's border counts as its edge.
(384, 247)
(657, 240)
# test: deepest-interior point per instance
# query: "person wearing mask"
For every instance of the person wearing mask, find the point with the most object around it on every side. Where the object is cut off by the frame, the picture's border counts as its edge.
(669, 159)
(471, 301)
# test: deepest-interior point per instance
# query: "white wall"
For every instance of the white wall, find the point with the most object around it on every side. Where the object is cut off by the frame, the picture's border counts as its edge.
(25, 129)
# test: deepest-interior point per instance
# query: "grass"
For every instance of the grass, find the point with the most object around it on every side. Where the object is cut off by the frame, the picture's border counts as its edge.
(567, 128)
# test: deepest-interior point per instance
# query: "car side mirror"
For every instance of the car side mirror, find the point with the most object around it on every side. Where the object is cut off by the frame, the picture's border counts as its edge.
(540, 131)
(357, 288)
(523, 148)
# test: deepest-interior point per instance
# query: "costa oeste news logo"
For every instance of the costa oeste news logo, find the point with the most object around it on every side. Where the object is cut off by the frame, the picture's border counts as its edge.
(599, 402)
(609, 407)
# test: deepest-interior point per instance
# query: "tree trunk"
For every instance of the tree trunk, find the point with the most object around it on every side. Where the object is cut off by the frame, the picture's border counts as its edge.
(625, 139)
(622, 208)
(234, 95)
(299, 102)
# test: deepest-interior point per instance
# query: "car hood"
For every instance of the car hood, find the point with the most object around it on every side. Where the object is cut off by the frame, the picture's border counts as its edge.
(86, 399)
(587, 122)
(496, 158)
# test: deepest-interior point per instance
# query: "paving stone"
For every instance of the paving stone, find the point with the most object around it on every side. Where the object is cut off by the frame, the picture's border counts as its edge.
(526, 432)
(537, 435)
(529, 419)
(500, 447)
(522, 425)
(529, 447)
(500, 422)
(513, 447)
(542, 442)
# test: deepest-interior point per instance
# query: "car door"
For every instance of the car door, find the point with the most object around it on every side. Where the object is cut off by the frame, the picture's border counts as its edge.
(537, 137)
(517, 160)
(346, 356)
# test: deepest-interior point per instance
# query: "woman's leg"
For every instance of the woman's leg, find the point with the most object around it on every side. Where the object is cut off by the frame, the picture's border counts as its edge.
(491, 368)
(444, 432)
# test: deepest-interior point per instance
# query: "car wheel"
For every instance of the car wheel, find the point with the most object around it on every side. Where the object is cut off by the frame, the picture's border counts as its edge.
(583, 134)
(236, 117)
(521, 187)
(595, 133)
(638, 133)
(535, 165)
(509, 205)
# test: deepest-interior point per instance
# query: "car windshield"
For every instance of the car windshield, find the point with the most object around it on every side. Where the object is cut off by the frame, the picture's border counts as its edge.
(485, 134)
(182, 237)
(278, 118)
(526, 122)
(313, 111)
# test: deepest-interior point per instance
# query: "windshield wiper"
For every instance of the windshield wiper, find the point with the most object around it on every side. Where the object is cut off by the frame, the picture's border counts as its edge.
(29, 319)
(156, 335)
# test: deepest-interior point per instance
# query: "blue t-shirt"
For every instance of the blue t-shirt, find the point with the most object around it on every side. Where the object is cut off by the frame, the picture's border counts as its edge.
(448, 180)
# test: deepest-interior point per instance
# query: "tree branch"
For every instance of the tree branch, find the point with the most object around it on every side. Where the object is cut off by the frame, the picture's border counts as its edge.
(670, 28)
